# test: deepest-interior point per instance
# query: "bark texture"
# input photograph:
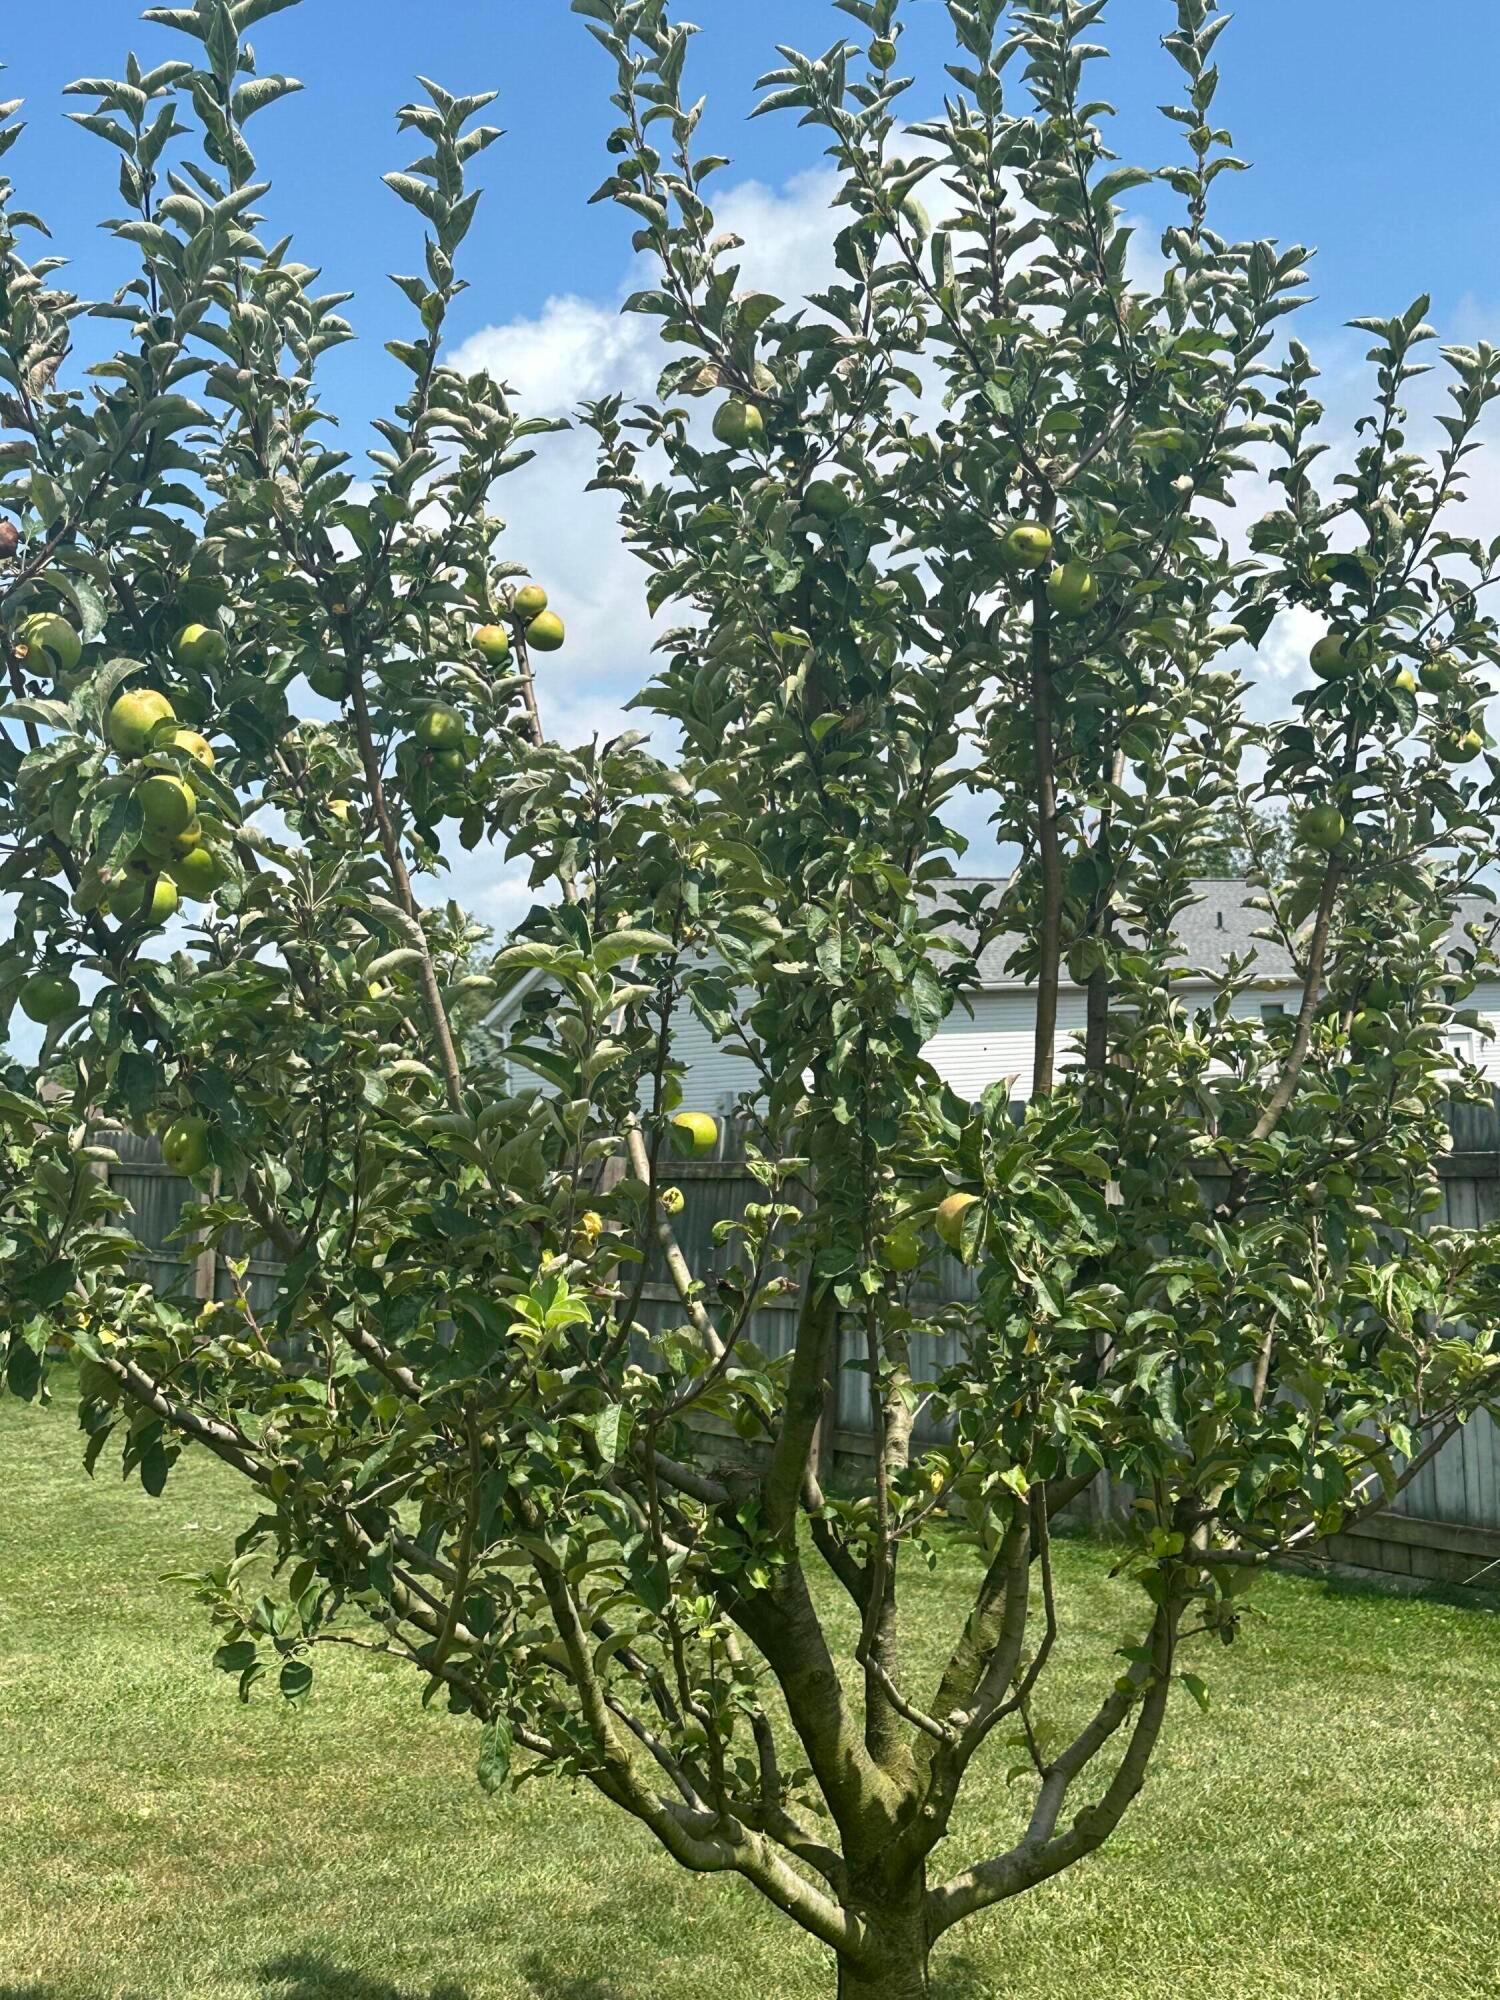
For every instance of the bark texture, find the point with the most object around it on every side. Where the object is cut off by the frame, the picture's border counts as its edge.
(895, 1964)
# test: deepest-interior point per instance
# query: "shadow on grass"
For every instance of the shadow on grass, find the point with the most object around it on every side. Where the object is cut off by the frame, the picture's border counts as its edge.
(958, 1977)
(300, 1976)
(545, 1981)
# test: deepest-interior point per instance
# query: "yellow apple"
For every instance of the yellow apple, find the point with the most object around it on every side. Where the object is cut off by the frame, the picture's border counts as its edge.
(134, 718)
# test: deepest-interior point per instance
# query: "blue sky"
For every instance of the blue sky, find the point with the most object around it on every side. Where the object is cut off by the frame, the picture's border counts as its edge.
(1367, 121)
(1368, 135)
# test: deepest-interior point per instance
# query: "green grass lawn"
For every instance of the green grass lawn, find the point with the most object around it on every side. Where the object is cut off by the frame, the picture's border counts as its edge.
(1327, 1832)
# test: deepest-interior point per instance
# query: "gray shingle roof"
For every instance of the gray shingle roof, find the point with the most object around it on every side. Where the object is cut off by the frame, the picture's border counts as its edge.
(1221, 924)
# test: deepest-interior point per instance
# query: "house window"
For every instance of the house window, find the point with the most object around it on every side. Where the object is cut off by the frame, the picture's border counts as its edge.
(1272, 1010)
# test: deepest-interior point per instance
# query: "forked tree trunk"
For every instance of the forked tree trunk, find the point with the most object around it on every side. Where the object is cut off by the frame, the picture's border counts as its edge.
(904, 1982)
(896, 1966)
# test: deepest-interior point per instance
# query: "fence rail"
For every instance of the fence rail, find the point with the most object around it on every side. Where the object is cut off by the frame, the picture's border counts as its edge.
(1443, 1530)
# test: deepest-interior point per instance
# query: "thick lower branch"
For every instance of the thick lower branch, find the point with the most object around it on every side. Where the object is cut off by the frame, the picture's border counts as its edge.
(812, 1360)
(1041, 1853)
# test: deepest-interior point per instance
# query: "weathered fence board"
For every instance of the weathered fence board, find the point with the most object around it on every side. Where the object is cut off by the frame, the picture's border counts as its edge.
(1445, 1529)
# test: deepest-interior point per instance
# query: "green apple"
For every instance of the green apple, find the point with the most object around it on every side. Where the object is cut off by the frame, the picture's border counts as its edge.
(440, 728)
(1072, 590)
(1405, 680)
(168, 806)
(47, 996)
(545, 633)
(1027, 546)
(901, 1250)
(329, 679)
(201, 646)
(184, 1146)
(153, 897)
(493, 643)
(827, 499)
(450, 763)
(50, 632)
(134, 718)
(531, 601)
(739, 424)
(198, 873)
(1439, 676)
(172, 846)
(1368, 1030)
(198, 747)
(1322, 827)
(949, 1221)
(695, 1134)
(1460, 746)
(1332, 655)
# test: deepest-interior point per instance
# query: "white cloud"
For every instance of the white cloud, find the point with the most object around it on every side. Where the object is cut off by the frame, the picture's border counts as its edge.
(576, 350)
(580, 348)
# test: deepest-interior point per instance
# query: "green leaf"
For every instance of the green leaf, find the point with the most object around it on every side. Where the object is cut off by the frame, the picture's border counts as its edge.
(1110, 186)
(616, 946)
(87, 600)
(418, 194)
(496, 1751)
(295, 1679)
(612, 1429)
(246, 13)
(187, 20)
(23, 1371)
(155, 1465)
(1197, 1688)
(47, 1287)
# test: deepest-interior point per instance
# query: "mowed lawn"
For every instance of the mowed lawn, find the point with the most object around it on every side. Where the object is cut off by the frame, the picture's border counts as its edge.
(1327, 1832)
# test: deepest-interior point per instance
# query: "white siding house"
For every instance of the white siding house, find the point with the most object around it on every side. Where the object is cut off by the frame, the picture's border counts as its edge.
(991, 1037)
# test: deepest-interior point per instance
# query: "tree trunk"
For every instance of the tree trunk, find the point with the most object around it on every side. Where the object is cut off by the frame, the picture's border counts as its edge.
(895, 1966)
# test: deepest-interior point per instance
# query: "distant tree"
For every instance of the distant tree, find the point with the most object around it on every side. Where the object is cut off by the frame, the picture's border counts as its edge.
(953, 527)
(1246, 840)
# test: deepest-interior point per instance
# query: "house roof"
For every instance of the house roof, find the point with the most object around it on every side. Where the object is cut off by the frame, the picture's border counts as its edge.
(1220, 924)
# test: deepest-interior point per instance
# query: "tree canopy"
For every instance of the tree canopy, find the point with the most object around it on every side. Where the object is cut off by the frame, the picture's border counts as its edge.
(957, 527)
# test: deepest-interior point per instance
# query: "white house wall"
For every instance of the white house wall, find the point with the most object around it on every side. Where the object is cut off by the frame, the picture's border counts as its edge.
(973, 1050)
(970, 1052)
(1486, 1053)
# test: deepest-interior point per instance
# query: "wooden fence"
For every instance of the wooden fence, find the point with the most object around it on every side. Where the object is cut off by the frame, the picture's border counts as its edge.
(1444, 1531)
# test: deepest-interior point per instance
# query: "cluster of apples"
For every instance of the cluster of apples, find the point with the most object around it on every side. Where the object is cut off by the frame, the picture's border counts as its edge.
(536, 625)
(174, 858)
(1072, 587)
(440, 736)
(1459, 740)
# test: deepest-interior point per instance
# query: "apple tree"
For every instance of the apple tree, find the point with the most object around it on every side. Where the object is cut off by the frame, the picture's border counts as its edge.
(958, 534)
